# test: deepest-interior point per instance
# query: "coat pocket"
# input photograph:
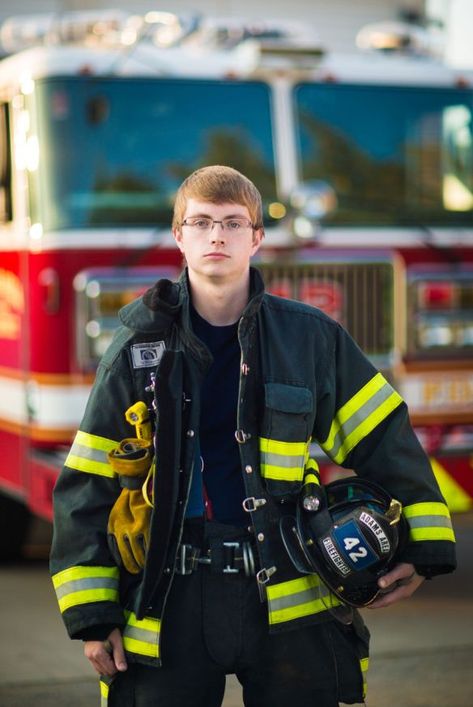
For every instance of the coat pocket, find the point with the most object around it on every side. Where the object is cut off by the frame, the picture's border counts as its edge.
(285, 437)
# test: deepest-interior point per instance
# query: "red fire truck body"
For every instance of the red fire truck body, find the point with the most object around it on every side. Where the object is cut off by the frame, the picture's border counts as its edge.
(366, 170)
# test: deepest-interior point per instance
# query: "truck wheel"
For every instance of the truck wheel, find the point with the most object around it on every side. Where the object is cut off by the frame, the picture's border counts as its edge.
(14, 524)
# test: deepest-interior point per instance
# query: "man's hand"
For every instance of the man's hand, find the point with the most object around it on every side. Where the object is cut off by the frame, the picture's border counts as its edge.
(399, 583)
(107, 657)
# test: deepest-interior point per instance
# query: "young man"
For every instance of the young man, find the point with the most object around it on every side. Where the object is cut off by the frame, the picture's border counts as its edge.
(240, 383)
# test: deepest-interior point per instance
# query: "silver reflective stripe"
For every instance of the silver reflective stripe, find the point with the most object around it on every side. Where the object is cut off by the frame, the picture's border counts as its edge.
(141, 636)
(89, 453)
(358, 418)
(85, 585)
(283, 460)
(430, 522)
(309, 594)
(296, 598)
(77, 585)
(80, 450)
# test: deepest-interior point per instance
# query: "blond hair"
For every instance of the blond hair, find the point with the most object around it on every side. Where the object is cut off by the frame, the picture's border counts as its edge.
(219, 184)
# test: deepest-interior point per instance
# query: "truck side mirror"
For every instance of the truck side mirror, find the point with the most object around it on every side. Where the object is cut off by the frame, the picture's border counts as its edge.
(311, 202)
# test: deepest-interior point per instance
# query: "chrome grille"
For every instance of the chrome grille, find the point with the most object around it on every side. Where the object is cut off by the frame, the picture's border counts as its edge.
(358, 294)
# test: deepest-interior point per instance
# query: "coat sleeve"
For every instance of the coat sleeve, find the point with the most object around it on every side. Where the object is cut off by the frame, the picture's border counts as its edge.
(363, 424)
(85, 577)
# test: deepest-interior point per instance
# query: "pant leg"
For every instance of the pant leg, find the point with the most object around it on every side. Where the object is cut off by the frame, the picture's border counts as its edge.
(314, 666)
(143, 686)
(188, 677)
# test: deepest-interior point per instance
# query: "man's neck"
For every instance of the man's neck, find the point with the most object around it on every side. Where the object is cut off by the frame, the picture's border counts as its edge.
(219, 303)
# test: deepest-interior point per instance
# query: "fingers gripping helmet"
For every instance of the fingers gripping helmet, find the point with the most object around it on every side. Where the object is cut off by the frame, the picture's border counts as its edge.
(349, 532)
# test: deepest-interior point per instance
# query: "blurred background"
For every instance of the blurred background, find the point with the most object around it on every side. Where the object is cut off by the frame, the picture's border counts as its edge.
(355, 120)
(336, 22)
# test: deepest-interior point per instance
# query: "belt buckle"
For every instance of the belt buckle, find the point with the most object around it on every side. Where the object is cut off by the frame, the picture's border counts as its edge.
(228, 569)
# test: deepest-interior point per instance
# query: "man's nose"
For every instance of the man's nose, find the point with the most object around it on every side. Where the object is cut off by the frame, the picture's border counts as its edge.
(217, 233)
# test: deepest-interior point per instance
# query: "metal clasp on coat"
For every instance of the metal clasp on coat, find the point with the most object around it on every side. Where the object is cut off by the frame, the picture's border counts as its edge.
(262, 578)
(264, 575)
(251, 503)
(242, 437)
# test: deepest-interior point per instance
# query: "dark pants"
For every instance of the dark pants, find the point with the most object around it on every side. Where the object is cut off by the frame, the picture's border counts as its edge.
(215, 624)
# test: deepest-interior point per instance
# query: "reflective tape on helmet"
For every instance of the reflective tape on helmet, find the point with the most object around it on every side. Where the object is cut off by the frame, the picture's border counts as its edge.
(297, 598)
(141, 636)
(283, 461)
(359, 416)
(89, 453)
(85, 585)
(429, 521)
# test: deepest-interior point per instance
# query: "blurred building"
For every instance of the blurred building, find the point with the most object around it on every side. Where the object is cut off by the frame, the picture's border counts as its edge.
(335, 22)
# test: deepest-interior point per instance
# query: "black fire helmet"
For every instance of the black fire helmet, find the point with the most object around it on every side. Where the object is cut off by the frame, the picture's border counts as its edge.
(349, 532)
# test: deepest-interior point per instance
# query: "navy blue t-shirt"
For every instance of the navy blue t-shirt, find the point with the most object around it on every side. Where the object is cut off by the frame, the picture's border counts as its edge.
(222, 477)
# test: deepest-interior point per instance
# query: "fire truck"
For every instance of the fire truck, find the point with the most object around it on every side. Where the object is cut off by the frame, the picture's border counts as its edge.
(365, 165)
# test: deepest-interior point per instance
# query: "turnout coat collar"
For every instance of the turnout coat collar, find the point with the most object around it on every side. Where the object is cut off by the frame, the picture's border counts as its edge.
(167, 301)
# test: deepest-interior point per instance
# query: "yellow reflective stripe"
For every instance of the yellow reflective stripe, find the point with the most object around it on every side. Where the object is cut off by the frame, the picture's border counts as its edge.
(347, 410)
(141, 636)
(418, 534)
(104, 688)
(311, 479)
(89, 453)
(279, 473)
(364, 664)
(429, 521)
(132, 645)
(286, 449)
(359, 416)
(311, 464)
(311, 472)
(148, 623)
(283, 461)
(85, 585)
(83, 572)
(87, 596)
(424, 508)
(297, 598)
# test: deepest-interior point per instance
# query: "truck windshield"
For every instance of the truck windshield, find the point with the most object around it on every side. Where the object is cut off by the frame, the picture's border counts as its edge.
(394, 155)
(112, 152)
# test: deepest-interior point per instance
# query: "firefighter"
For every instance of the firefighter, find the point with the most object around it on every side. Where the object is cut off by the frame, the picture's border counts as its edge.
(170, 556)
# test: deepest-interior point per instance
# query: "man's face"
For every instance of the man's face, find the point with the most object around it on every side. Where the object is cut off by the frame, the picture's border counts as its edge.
(217, 254)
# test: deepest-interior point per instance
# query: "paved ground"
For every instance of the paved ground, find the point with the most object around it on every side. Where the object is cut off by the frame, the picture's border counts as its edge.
(422, 650)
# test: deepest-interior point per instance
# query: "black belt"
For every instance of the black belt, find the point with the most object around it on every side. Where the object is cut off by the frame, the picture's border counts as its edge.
(222, 557)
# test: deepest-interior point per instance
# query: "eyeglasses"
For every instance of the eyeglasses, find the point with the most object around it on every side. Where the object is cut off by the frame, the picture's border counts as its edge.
(202, 224)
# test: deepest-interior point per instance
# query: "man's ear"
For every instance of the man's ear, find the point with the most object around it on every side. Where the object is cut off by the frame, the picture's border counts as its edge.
(177, 235)
(258, 236)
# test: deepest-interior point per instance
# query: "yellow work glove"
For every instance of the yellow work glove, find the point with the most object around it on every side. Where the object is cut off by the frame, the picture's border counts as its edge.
(129, 520)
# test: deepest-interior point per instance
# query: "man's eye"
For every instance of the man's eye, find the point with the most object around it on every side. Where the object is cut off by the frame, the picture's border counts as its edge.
(200, 223)
(233, 225)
